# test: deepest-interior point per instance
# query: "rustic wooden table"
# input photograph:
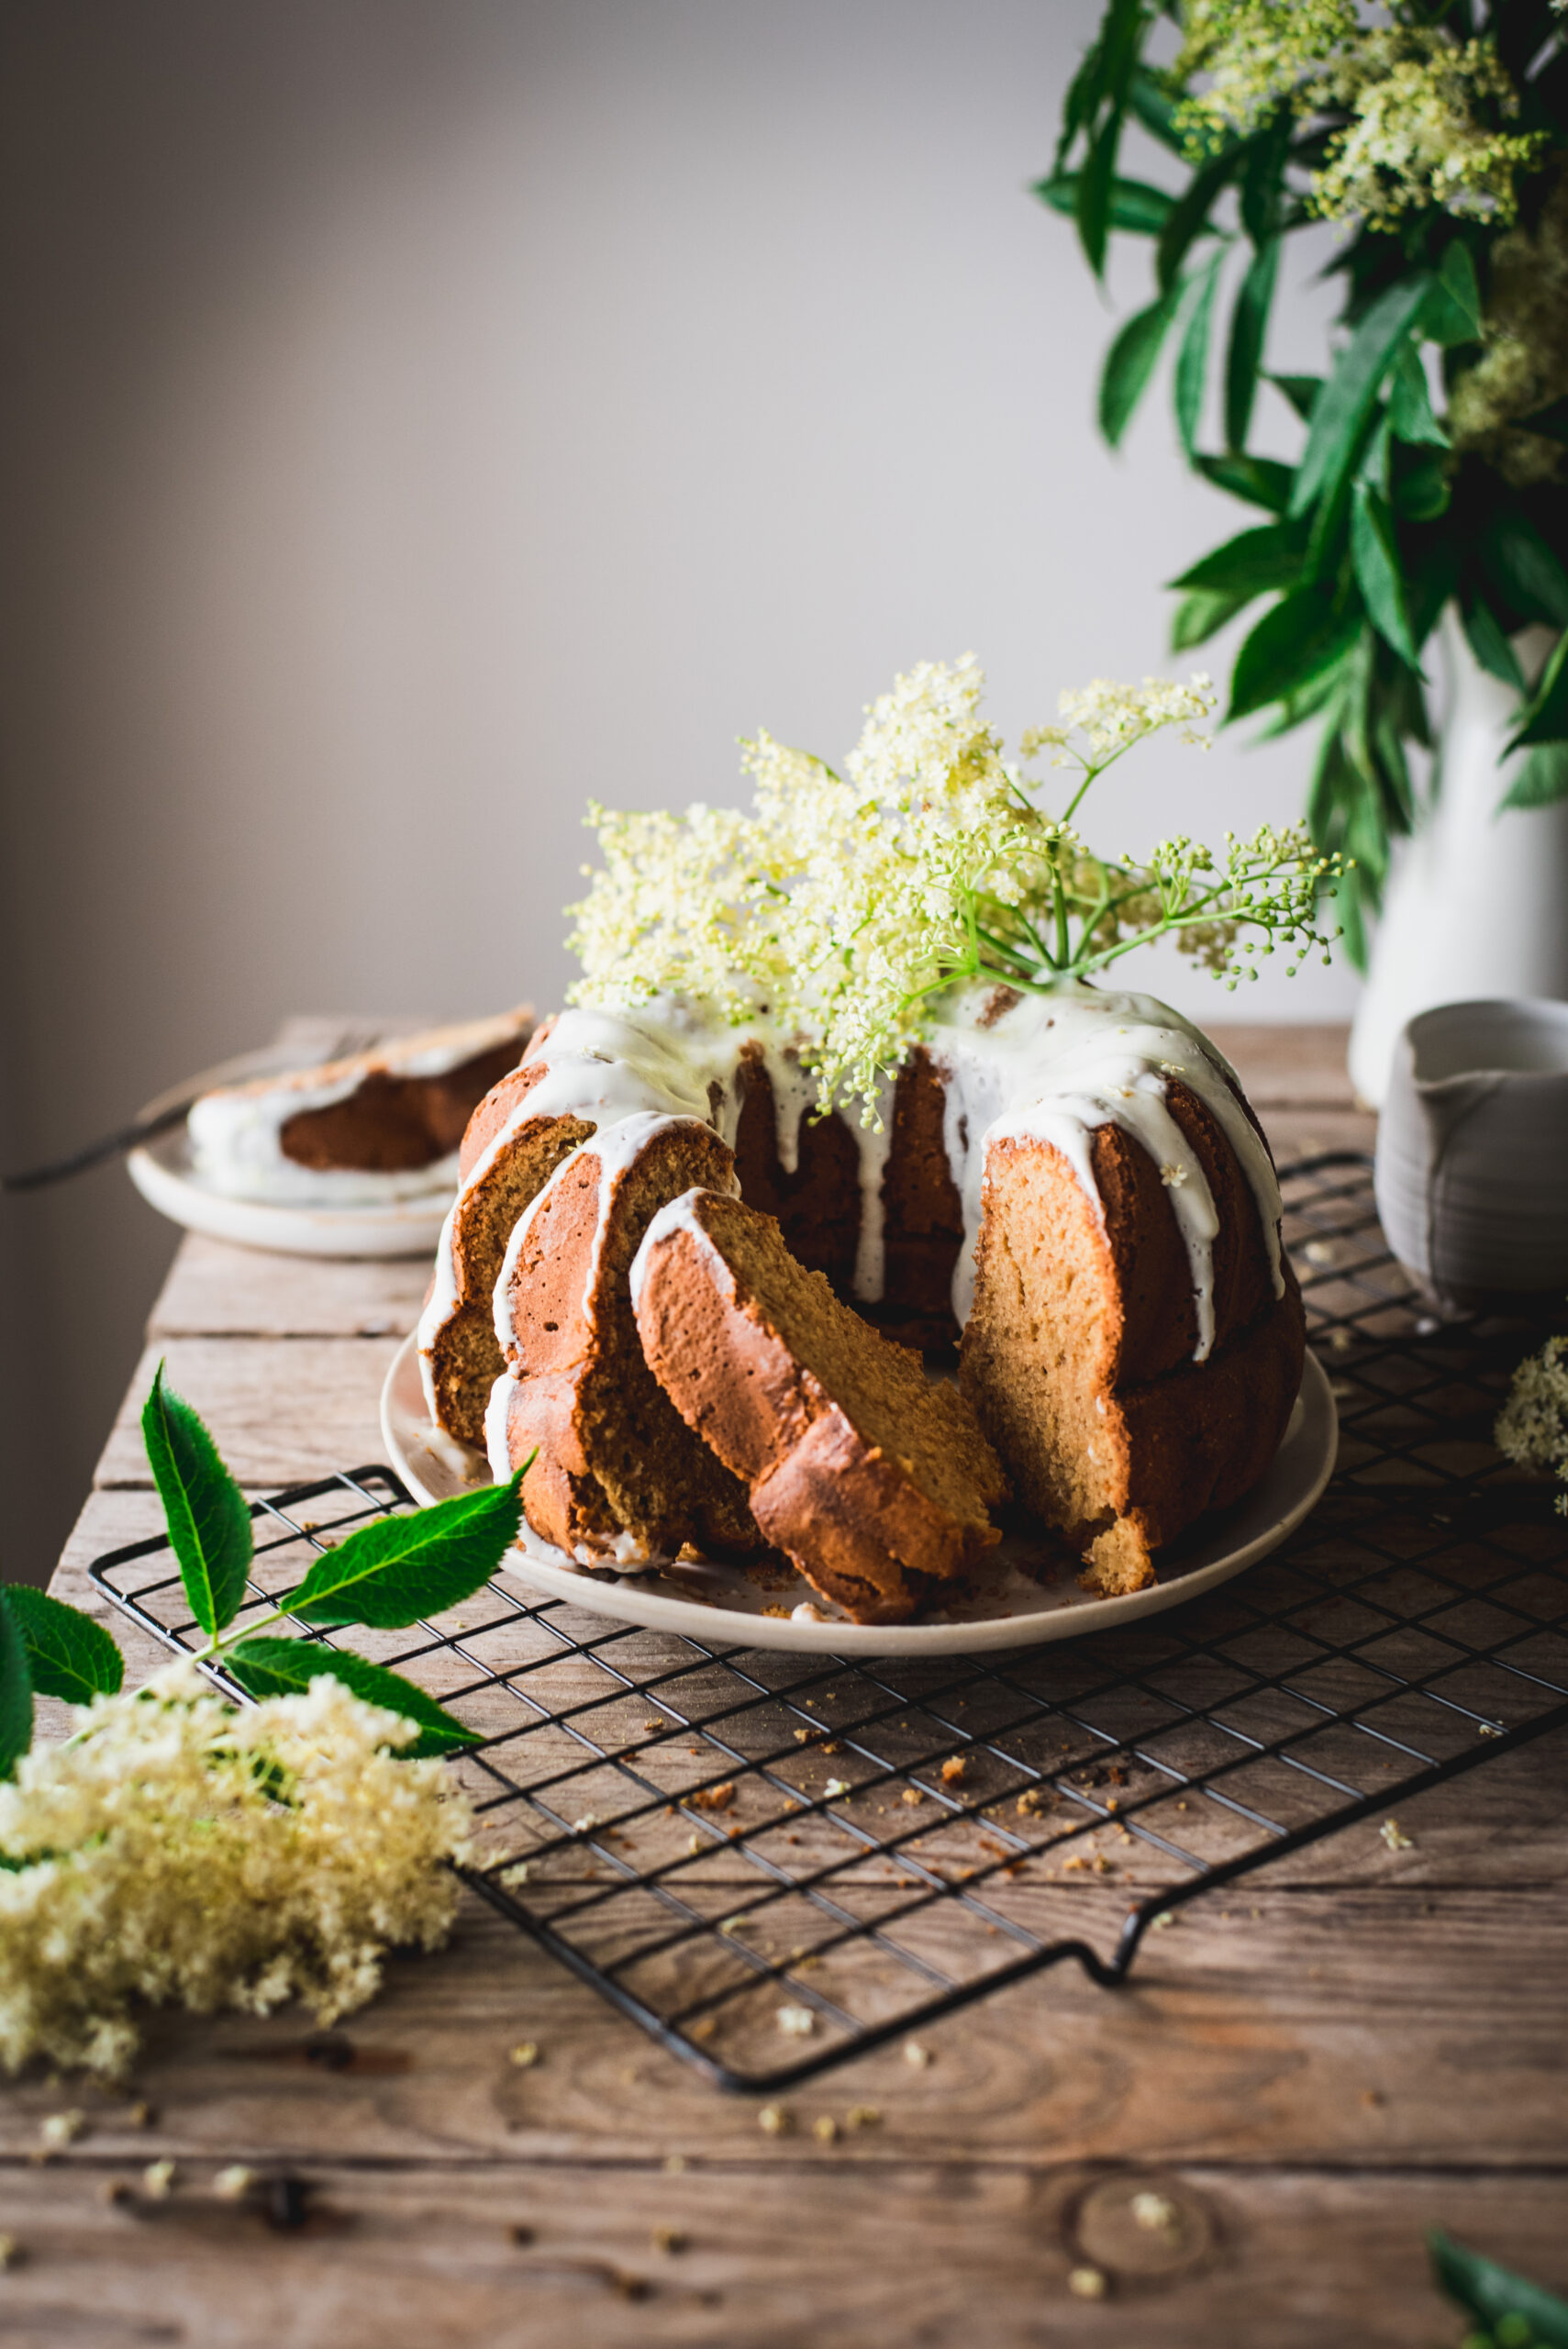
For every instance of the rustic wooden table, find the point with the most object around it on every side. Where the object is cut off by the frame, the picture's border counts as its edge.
(1355, 2045)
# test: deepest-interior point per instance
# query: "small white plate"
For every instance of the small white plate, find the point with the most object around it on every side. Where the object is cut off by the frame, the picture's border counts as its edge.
(164, 1175)
(1007, 1608)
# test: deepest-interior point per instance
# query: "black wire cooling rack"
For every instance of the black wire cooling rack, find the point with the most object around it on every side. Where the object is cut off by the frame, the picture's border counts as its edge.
(771, 1861)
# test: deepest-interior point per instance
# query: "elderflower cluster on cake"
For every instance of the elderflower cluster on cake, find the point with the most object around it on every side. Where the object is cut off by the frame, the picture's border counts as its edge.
(845, 904)
(178, 1848)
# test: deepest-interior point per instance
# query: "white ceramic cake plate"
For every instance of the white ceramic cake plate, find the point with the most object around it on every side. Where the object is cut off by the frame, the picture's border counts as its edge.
(163, 1174)
(1007, 1608)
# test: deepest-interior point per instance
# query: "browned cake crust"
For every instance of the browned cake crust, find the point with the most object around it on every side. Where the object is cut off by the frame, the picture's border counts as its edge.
(1079, 1352)
(395, 1124)
(464, 1358)
(618, 1474)
(875, 1479)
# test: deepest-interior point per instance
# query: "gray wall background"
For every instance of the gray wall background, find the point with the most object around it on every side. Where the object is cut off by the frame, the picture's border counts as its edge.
(419, 416)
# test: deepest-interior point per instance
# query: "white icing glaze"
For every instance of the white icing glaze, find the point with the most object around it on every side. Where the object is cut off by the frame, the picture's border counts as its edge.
(235, 1134)
(495, 1410)
(441, 1304)
(875, 1141)
(794, 1091)
(1049, 1068)
(668, 1060)
(1053, 1067)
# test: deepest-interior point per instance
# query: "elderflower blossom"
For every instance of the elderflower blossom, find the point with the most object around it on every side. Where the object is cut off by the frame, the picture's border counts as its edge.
(844, 904)
(1418, 135)
(179, 1849)
(1427, 110)
(1111, 718)
(1532, 1427)
(1254, 52)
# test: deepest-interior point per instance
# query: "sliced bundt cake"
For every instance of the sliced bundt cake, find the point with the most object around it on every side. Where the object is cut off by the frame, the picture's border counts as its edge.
(618, 1476)
(875, 1478)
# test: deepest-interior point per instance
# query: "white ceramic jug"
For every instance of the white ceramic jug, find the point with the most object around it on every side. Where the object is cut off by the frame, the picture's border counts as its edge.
(1477, 902)
(1473, 1152)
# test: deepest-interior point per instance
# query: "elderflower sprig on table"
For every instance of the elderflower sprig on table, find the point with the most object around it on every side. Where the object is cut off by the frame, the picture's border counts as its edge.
(179, 1847)
(1532, 1427)
(846, 905)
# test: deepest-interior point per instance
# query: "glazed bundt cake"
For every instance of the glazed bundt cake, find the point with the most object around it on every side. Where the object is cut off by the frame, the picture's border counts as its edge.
(1070, 1185)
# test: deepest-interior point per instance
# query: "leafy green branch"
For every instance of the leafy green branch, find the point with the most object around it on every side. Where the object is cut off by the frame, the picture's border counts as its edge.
(388, 1574)
(1456, 267)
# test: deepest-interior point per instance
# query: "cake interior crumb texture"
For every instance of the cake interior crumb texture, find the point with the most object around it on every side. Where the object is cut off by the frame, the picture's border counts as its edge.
(874, 1477)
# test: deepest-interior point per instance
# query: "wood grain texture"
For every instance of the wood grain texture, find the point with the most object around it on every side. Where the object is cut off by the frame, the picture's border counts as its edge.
(217, 1291)
(1312, 2067)
(909, 2254)
(282, 1410)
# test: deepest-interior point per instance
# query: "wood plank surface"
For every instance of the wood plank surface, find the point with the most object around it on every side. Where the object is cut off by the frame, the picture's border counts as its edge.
(740, 2259)
(1309, 2068)
(283, 1410)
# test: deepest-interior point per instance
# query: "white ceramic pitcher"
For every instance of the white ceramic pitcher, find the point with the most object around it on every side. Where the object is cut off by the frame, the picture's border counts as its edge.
(1472, 1150)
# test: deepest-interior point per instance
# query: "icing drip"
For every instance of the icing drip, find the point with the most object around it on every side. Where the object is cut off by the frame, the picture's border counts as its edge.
(1050, 1067)
(441, 1304)
(1054, 1067)
(495, 1410)
(795, 1090)
(873, 1146)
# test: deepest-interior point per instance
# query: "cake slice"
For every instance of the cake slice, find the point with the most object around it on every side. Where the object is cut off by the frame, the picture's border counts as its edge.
(378, 1126)
(875, 1478)
(618, 1476)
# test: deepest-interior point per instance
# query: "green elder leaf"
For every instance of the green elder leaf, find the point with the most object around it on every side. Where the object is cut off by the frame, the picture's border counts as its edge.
(1526, 569)
(1422, 493)
(1374, 551)
(1451, 313)
(1155, 108)
(1339, 414)
(1546, 716)
(1251, 562)
(1301, 391)
(1410, 403)
(1189, 215)
(69, 1654)
(1489, 641)
(1261, 481)
(1134, 204)
(1248, 323)
(1123, 24)
(1494, 2294)
(16, 1691)
(207, 1515)
(396, 1569)
(1292, 647)
(1542, 780)
(274, 1667)
(1200, 615)
(1191, 358)
(1129, 363)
